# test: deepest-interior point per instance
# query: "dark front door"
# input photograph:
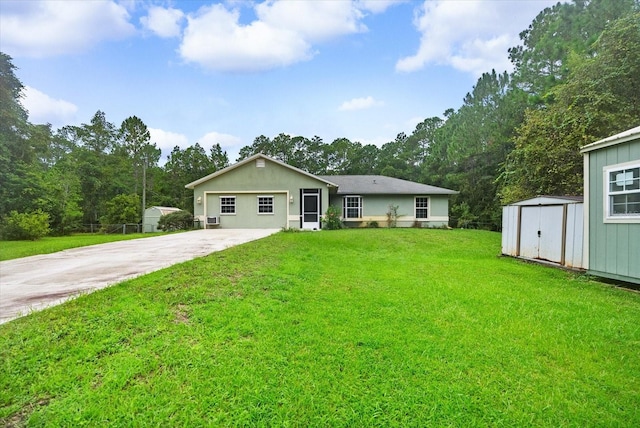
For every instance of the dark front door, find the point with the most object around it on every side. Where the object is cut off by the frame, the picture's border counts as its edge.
(310, 210)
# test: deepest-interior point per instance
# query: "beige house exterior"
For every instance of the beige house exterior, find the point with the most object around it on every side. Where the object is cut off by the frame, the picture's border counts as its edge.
(262, 192)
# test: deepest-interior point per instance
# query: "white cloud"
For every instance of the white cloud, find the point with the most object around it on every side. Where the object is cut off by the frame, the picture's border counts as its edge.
(376, 141)
(360, 104)
(377, 6)
(163, 22)
(225, 140)
(55, 27)
(44, 109)
(312, 20)
(167, 140)
(472, 36)
(216, 40)
(284, 33)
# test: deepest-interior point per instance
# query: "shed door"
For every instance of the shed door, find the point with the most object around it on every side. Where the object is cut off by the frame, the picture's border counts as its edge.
(541, 233)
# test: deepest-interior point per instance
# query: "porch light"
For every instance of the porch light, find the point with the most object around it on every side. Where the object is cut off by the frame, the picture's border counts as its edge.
(291, 199)
(199, 200)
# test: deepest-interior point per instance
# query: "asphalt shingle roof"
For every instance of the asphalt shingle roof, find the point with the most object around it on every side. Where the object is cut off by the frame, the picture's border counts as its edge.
(382, 185)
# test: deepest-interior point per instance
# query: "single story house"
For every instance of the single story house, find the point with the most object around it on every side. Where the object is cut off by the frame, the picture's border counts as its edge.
(612, 206)
(262, 192)
(152, 216)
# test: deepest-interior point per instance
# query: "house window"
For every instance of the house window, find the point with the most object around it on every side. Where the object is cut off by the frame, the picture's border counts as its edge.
(352, 207)
(422, 207)
(623, 191)
(265, 204)
(227, 204)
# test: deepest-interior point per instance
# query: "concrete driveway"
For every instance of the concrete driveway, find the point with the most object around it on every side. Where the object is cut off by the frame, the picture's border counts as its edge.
(36, 282)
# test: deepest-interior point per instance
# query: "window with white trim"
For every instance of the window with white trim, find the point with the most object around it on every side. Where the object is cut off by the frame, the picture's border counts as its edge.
(227, 205)
(422, 207)
(623, 191)
(265, 204)
(352, 207)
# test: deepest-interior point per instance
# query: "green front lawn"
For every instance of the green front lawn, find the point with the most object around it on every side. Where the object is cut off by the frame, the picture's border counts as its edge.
(51, 244)
(377, 327)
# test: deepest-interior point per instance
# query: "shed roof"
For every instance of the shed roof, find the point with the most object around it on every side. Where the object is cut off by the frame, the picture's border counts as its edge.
(165, 210)
(623, 137)
(550, 200)
(382, 185)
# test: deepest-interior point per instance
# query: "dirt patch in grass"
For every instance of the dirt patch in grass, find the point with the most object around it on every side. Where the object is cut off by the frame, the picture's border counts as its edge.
(181, 314)
(20, 418)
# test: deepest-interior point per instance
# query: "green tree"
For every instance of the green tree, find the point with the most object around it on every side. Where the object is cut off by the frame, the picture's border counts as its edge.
(219, 158)
(183, 167)
(61, 198)
(20, 169)
(340, 155)
(122, 209)
(541, 61)
(466, 151)
(310, 154)
(600, 97)
(365, 160)
(102, 175)
(261, 144)
(135, 138)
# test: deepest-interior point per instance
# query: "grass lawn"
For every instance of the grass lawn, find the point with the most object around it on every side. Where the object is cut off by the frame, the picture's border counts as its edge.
(377, 327)
(16, 249)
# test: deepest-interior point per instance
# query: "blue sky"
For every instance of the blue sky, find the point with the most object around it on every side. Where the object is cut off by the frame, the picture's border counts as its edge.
(227, 72)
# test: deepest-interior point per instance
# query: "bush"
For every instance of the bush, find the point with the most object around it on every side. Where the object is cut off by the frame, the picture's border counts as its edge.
(373, 224)
(392, 215)
(122, 209)
(179, 220)
(331, 219)
(26, 226)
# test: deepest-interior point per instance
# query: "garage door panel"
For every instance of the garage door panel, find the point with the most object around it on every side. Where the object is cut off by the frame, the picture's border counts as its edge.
(246, 214)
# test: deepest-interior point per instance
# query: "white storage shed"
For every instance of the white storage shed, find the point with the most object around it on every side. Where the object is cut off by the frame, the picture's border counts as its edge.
(152, 215)
(548, 228)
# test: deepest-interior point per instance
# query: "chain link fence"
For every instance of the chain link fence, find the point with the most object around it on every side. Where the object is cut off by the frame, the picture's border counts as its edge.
(124, 229)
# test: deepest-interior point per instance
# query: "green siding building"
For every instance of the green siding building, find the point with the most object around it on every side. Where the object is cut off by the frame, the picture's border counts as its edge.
(612, 206)
(262, 192)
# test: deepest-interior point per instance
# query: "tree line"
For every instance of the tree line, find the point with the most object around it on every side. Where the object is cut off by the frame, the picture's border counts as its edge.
(576, 79)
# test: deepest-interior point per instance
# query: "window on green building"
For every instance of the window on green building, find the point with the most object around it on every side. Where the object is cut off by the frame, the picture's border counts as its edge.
(623, 190)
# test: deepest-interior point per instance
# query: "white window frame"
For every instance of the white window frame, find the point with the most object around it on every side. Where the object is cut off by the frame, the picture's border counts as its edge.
(266, 205)
(345, 208)
(225, 203)
(619, 169)
(416, 207)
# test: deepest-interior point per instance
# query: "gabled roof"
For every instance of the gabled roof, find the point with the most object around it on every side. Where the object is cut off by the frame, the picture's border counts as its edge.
(623, 137)
(193, 184)
(382, 185)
